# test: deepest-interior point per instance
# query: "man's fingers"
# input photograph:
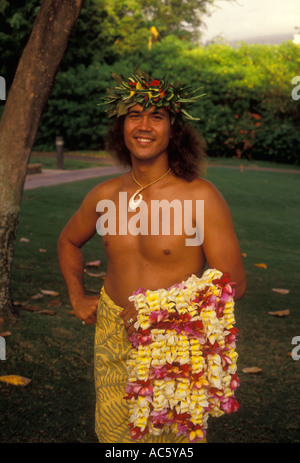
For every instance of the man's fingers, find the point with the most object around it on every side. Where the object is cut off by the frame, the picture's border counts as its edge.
(129, 315)
(89, 317)
(89, 320)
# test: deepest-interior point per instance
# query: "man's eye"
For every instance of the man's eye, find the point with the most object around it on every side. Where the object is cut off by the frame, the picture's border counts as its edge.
(157, 116)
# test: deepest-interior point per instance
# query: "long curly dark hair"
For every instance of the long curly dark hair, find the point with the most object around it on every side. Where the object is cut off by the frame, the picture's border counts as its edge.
(187, 156)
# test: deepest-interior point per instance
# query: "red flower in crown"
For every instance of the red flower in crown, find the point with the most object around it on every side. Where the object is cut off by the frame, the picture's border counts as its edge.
(155, 83)
(161, 93)
(178, 106)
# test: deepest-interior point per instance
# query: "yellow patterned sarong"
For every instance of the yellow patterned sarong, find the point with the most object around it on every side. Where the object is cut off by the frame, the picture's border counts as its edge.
(111, 352)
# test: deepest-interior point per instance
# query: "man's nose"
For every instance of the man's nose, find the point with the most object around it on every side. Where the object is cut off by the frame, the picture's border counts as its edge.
(145, 123)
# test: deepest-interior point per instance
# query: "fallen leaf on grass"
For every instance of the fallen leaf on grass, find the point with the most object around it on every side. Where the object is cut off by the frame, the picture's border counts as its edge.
(54, 303)
(71, 312)
(97, 275)
(42, 250)
(19, 304)
(48, 292)
(244, 254)
(281, 290)
(30, 308)
(37, 309)
(254, 370)
(37, 296)
(261, 265)
(15, 380)
(46, 312)
(24, 240)
(5, 333)
(94, 263)
(280, 313)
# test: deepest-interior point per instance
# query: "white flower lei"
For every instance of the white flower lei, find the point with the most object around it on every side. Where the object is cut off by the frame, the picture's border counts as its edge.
(182, 364)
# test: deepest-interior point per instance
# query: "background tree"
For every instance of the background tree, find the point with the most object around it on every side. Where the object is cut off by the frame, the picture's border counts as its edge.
(20, 120)
(126, 25)
(16, 22)
(105, 30)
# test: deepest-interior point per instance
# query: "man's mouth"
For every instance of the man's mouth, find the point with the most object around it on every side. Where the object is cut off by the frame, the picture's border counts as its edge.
(144, 140)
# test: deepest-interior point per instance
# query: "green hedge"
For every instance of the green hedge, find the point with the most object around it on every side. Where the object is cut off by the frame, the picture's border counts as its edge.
(248, 110)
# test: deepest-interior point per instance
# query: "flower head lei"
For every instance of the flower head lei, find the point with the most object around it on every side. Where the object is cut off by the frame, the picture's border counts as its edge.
(141, 88)
(183, 363)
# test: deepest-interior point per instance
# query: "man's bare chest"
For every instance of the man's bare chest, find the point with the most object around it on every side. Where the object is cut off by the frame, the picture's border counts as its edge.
(173, 220)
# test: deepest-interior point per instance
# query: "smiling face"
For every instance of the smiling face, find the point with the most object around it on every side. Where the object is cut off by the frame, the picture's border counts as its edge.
(147, 133)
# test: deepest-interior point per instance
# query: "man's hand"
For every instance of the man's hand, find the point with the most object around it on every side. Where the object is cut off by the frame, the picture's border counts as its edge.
(85, 308)
(129, 315)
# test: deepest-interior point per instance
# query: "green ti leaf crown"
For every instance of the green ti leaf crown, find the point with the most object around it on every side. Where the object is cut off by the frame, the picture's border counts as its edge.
(141, 89)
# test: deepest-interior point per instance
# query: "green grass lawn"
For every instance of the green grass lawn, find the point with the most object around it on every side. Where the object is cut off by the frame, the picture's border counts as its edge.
(84, 159)
(250, 163)
(56, 352)
(71, 160)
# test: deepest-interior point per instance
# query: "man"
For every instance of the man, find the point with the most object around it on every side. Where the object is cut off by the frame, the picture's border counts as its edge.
(165, 155)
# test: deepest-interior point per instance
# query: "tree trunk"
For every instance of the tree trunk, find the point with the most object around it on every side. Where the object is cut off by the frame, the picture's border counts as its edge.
(26, 100)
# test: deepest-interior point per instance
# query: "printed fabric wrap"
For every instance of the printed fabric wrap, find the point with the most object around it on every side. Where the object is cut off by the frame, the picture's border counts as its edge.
(182, 363)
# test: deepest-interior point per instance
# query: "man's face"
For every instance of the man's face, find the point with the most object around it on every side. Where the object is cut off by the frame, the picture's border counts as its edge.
(147, 133)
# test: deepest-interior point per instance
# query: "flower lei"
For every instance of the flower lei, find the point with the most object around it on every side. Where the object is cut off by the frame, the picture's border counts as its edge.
(141, 89)
(182, 364)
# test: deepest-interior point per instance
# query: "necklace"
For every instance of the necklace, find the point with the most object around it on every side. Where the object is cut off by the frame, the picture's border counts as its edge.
(137, 198)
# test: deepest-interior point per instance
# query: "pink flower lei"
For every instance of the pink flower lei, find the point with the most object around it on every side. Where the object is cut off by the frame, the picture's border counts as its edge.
(182, 364)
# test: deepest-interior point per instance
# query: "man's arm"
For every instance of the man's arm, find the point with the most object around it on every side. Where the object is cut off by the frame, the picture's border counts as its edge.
(220, 245)
(80, 229)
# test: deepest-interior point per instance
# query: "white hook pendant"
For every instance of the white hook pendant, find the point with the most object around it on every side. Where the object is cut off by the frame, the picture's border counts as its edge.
(134, 203)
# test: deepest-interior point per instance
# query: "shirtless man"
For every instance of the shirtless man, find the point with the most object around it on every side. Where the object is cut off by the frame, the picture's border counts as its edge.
(148, 261)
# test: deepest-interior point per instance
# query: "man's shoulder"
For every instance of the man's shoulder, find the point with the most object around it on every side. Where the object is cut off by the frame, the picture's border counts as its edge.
(109, 186)
(214, 202)
(105, 190)
(203, 188)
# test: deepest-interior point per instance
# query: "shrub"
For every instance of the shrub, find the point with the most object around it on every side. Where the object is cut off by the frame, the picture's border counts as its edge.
(253, 82)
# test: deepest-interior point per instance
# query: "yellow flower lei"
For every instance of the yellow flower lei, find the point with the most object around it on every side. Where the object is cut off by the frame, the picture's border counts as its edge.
(182, 365)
